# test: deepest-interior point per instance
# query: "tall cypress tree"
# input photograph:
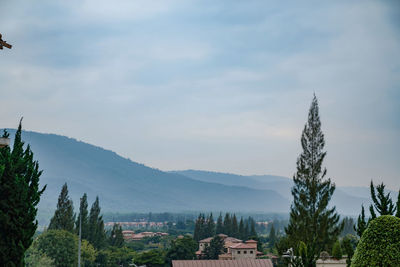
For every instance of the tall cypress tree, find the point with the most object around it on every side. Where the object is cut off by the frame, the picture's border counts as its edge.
(83, 212)
(19, 196)
(220, 225)
(210, 226)
(116, 237)
(227, 224)
(97, 234)
(235, 227)
(311, 221)
(63, 218)
(398, 205)
(242, 234)
(361, 223)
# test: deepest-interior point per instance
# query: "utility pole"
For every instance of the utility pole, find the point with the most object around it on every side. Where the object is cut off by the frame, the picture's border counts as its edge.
(4, 43)
(80, 237)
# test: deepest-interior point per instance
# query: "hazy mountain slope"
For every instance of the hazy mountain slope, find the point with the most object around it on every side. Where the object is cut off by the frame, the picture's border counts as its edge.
(126, 186)
(345, 202)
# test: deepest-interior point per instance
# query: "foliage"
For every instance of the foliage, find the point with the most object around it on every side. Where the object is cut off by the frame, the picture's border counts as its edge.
(348, 227)
(114, 256)
(348, 248)
(60, 245)
(88, 253)
(116, 238)
(272, 237)
(379, 244)
(383, 204)
(97, 235)
(337, 250)
(182, 249)
(311, 221)
(63, 218)
(361, 223)
(19, 197)
(215, 248)
(83, 212)
(220, 226)
(36, 258)
(152, 258)
(398, 205)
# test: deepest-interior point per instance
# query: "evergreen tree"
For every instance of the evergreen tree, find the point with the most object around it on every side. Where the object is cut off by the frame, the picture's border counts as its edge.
(64, 217)
(83, 212)
(116, 237)
(235, 227)
(19, 197)
(398, 205)
(311, 221)
(242, 234)
(210, 226)
(96, 226)
(349, 250)
(200, 228)
(227, 224)
(337, 250)
(220, 225)
(272, 236)
(252, 224)
(215, 248)
(246, 232)
(383, 204)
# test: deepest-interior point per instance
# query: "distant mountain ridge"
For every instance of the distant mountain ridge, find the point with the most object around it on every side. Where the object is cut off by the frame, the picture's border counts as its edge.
(126, 186)
(348, 200)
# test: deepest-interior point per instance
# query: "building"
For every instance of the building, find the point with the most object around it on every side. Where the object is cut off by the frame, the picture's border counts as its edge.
(130, 235)
(225, 263)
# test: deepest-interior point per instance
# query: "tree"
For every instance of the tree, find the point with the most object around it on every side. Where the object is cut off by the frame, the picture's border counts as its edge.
(337, 250)
(182, 249)
(235, 227)
(210, 230)
(220, 226)
(63, 218)
(116, 237)
(379, 244)
(348, 248)
(242, 234)
(60, 245)
(382, 203)
(361, 223)
(97, 234)
(36, 258)
(151, 258)
(272, 236)
(227, 224)
(83, 212)
(215, 248)
(200, 228)
(19, 197)
(398, 205)
(311, 221)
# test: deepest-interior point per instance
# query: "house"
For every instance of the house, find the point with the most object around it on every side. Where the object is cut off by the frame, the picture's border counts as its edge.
(131, 236)
(228, 241)
(225, 263)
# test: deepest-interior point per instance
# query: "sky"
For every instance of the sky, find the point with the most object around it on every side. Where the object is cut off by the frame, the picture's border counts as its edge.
(210, 85)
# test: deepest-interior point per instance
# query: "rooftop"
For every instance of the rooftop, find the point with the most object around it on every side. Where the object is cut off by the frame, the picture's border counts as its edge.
(223, 263)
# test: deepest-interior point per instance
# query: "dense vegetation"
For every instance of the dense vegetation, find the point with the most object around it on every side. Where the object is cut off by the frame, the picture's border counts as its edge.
(19, 197)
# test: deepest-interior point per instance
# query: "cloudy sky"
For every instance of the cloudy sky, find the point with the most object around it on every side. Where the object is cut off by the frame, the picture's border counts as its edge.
(211, 85)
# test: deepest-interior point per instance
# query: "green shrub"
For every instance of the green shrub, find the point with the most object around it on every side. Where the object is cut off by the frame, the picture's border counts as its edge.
(337, 251)
(379, 244)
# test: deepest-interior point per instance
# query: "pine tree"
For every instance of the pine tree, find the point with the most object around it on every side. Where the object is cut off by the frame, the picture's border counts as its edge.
(220, 226)
(83, 212)
(215, 248)
(383, 204)
(200, 229)
(63, 218)
(96, 226)
(311, 221)
(19, 197)
(252, 223)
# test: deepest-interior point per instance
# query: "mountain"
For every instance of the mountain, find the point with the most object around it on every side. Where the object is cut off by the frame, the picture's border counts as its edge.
(126, 186)
(348, 200)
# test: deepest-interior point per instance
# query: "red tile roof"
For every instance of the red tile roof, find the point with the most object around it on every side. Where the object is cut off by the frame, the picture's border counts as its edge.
(224, 263)
(242, 245)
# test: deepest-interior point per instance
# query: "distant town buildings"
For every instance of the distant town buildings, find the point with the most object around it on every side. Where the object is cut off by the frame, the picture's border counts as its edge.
(225, 263)
(235, 248)
(130, 235)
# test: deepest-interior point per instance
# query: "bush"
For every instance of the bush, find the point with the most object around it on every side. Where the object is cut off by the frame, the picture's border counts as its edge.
(379, 244)
(337, 251)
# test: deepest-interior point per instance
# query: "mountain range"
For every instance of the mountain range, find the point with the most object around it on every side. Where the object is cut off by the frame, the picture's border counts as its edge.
(126, 186)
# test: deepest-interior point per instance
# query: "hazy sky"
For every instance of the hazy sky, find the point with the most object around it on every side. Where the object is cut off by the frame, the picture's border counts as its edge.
(211, 85)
